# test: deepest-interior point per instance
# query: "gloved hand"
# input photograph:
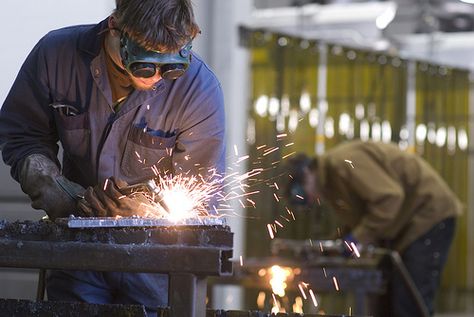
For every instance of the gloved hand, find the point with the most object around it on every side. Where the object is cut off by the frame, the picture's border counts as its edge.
(48, 190)
(351, 245)
(107, 200)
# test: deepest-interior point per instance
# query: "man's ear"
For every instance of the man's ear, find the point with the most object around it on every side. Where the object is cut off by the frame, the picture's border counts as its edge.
(113, 25)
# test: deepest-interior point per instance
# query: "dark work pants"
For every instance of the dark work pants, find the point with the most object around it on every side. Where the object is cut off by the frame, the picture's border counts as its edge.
(149, 290)
(424, 259)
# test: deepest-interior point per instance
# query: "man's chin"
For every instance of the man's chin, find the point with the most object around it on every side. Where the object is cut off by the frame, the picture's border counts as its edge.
(143, 84)
(140, 86)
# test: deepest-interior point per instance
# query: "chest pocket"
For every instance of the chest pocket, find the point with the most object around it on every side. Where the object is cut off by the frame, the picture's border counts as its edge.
(74, 133)
(148, 152)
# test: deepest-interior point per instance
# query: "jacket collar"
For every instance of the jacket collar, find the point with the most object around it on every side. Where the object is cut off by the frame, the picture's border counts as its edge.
(90, 41)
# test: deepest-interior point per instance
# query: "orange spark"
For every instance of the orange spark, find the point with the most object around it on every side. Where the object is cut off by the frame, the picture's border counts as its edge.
(270, 231)
(315, 302)
(302, 291)
(336, 285)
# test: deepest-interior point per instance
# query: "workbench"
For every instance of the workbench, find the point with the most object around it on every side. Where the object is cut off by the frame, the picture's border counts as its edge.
(188, 252)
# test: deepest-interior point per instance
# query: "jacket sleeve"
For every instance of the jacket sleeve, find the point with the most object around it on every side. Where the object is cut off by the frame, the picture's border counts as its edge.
(381, 195)
(26, 123)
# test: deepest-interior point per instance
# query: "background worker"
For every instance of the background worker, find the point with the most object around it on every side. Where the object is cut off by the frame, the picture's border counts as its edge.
(122, 97)
(383, 195)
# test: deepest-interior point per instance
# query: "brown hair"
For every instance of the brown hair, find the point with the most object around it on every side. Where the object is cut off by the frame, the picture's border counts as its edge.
(157, 24)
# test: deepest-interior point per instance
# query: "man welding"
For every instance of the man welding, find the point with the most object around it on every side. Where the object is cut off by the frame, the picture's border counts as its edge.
(126, 98)
(384, 196)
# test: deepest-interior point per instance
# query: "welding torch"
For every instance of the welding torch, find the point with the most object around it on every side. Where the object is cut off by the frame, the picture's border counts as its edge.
(150, 186)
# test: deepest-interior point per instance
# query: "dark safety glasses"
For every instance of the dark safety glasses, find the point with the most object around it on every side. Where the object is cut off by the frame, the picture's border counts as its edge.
(144, 63)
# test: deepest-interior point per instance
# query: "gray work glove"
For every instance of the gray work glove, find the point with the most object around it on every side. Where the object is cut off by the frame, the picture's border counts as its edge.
(48, 190)
(108, 200)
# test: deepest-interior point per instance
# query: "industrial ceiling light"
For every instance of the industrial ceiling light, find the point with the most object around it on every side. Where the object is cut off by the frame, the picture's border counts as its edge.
(305, 102)
(261, 105)
(386, 131)
(273, 106)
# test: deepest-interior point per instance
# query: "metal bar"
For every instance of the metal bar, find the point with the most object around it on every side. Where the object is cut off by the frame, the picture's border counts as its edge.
(74, 222)
(40, 290)
(26, 308)
(200, 236)
(411, 105)
(322, 97)
(187, 295)
(415, 292)
(107, 257)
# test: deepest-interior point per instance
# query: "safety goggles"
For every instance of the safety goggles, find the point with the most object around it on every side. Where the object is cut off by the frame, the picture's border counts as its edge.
(145, 63)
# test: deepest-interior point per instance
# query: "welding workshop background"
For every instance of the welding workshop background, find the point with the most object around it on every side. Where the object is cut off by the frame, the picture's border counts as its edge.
(366, 96)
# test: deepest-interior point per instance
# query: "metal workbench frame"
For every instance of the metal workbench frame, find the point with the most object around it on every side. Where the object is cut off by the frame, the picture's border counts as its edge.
(187, 253)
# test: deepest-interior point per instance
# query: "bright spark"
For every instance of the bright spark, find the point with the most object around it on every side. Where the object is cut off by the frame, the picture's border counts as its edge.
(348, 246)
(279, 276)
(243, 158)
(276, 197)
(292, 153)
(185, 197)
(271, 151)
(315, 302)
(261, 300)
(336, 285)
(298, 305)
(354, 248)
(270, 231)
(300, 286)
(349, 162)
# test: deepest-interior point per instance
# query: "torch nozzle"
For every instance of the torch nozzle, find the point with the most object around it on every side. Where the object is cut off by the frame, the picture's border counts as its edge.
(159, 198)
(148, 186)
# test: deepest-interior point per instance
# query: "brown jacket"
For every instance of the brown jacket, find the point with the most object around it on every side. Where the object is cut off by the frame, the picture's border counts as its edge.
(382, 193)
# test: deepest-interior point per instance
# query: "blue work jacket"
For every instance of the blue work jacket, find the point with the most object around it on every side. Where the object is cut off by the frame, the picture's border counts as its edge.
(62, 93)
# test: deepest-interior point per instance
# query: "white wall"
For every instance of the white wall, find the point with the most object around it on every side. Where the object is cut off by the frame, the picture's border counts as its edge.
(24, 22)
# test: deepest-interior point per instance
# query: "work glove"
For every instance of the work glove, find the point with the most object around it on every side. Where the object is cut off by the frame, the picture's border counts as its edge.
(108, 200)
(48, 190)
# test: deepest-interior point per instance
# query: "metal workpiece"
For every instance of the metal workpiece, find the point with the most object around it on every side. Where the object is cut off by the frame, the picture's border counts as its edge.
(102, 222)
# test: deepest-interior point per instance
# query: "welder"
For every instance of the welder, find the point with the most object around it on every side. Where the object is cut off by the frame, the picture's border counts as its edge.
(385, 197)
(124, 98)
